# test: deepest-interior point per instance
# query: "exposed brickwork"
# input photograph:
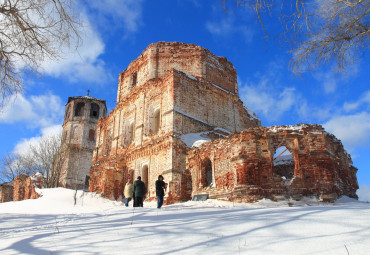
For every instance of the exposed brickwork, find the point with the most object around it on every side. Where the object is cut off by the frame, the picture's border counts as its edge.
(19, 185)
(25, 186)
(322, 167)
(173, 89)
(170, 90)
(6, 192)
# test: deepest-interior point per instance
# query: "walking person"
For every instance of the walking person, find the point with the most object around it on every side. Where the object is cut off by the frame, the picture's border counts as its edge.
(139, 192)
(160, 186)
(128, 192)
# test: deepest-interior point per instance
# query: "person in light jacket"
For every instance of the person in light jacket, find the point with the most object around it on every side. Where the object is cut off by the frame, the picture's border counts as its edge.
(128, 192)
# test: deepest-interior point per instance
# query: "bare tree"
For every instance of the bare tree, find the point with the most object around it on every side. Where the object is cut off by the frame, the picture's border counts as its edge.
(32, 31)
(319, 31)
(48, 157)
(14, 164)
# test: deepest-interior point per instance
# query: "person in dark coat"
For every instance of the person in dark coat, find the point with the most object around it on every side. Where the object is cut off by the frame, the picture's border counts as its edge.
(160, 186)
(139, 192)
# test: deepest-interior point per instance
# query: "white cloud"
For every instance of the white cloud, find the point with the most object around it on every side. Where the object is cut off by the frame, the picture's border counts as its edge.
(266, 99)
(330, 79)
(126, 14)
(82, 64)
(37, 111)
(353, 130)
(85, 62)
(364, 193)
(23, 146)
(364, 100)
(226, 26)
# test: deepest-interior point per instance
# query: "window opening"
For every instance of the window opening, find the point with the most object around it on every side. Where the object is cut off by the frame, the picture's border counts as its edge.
(131, 131)
(94, 111)
(284, 163)
(79, 109)
(156, 121)
(92, 134)
(134, 79)
(207, 178)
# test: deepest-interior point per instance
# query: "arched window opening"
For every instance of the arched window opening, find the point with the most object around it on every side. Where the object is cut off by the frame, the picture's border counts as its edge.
(145, 175)
(79, 109)
(94, 111)
(156, 121)
(207, 173)
(134, 79)
(131, 132)
(284, 163)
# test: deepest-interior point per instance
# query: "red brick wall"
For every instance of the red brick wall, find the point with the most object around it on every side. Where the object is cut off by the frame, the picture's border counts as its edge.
(243, 166)
(25, 187)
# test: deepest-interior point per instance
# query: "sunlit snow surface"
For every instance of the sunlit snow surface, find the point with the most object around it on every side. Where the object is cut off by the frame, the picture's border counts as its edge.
(53, 225)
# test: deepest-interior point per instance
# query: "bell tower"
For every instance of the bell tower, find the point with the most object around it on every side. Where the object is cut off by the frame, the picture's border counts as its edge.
(79, 137)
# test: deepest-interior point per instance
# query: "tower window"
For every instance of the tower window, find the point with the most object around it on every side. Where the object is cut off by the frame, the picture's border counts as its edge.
(94, 111)
(92, 134)
(79, 109)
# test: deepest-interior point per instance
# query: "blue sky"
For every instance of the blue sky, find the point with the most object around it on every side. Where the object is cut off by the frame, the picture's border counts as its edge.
(116, 32)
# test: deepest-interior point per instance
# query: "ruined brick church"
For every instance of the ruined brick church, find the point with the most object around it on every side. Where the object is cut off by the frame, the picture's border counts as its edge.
(179, 114)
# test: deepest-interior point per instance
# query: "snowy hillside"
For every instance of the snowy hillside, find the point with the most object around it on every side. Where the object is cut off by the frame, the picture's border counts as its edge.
(53, 225)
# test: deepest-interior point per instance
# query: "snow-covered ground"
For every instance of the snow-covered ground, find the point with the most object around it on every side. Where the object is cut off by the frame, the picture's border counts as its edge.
(53, 225)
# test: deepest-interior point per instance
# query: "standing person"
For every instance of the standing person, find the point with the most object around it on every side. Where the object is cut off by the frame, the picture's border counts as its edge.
(160, 186)
(139, 192)
(129, 189)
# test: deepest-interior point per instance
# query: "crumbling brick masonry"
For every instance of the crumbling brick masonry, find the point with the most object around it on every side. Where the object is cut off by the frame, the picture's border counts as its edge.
(174, 91)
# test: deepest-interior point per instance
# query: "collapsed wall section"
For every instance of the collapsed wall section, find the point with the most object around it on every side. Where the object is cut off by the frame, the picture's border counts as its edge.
(241, 166)
(25, 186)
